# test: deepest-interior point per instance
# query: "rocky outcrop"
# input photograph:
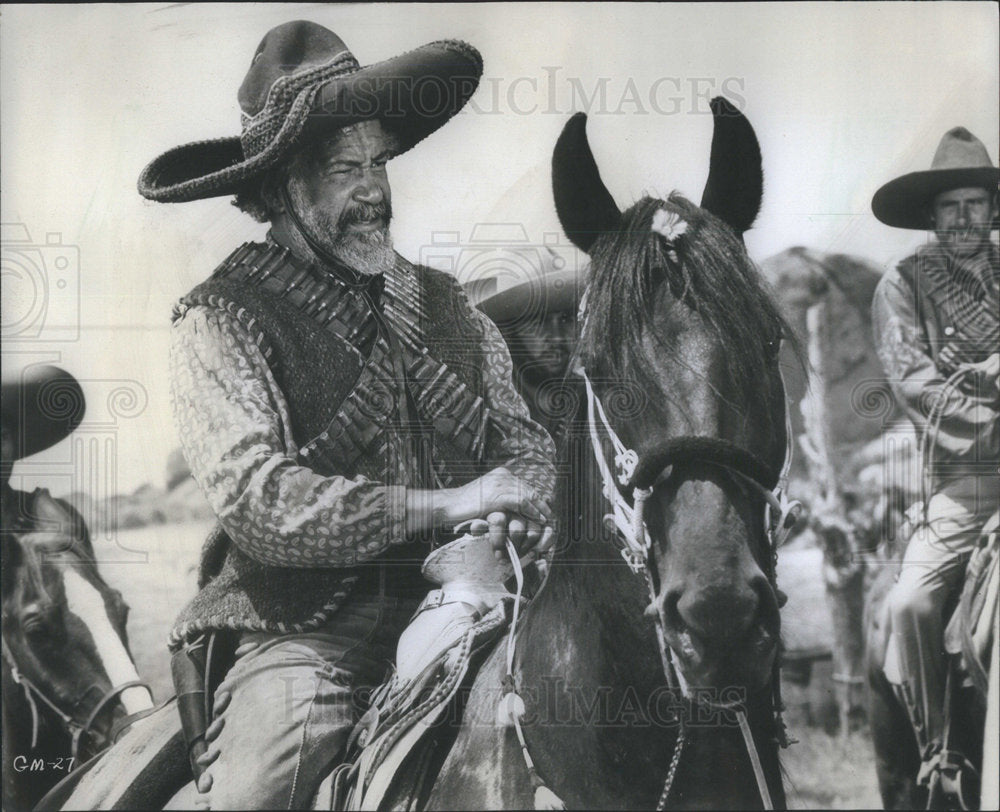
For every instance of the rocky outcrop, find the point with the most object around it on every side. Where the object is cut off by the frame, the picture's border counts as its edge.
(177, 469)
(180, 501)
(858, 405)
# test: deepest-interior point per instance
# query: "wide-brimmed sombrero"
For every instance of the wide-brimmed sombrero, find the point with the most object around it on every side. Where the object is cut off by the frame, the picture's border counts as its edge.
(961, 161)
(41, 405)
(304, 80)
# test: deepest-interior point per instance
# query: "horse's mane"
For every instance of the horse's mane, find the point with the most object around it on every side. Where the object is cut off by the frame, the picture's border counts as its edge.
(712, 274)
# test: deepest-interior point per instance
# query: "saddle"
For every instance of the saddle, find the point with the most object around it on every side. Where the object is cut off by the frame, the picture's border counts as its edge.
(410, 725)
(389, 753)
(438, 653)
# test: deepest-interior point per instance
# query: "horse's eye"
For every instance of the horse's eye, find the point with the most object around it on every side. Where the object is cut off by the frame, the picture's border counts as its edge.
(773, 345)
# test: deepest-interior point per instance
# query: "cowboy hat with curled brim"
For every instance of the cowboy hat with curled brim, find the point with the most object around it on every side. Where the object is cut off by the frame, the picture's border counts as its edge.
(534, 298)
(303, 81)
(41, 405)
(961, 161)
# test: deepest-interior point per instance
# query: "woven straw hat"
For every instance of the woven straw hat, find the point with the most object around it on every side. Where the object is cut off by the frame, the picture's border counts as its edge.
(303, 80)
(961, 161)
(42, 405)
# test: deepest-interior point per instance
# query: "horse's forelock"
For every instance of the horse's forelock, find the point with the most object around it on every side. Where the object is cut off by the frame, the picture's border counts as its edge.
(706, 267)
(618, 294)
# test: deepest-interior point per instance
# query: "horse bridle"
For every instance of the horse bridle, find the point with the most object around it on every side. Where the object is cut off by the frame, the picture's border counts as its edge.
(78, 730)
(642, 477)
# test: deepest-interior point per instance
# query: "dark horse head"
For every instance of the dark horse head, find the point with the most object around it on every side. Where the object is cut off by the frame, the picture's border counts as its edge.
(676, 312)
(68, 674)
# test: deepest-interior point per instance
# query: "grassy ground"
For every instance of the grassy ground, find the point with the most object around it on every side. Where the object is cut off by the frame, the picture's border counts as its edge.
(155, 568)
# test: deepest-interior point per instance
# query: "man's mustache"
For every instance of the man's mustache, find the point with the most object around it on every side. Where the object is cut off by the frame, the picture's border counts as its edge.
(365, 213)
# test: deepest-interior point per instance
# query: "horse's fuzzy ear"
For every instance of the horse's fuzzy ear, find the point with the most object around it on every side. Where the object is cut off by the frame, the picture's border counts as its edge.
(583, 203)
(735, 179)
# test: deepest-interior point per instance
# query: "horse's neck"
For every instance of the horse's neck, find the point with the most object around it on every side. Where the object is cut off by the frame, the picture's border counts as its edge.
(587, 666)
(594, 601)
(591, 600)
(587, 625)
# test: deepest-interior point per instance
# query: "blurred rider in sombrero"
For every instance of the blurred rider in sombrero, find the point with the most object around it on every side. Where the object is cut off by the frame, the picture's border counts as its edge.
(42, 405)
(937, 329)
(338, 405)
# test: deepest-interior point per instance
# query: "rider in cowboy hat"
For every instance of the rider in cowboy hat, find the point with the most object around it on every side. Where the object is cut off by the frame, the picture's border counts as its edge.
(42, 405)
(937, 329)
(537, 318)
(339, 406)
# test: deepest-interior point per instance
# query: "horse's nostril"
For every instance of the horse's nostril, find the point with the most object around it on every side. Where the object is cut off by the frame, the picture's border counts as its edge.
(671, 614)
(720, 612)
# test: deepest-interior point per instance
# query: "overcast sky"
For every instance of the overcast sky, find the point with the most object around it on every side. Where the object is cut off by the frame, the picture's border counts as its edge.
(843, 97)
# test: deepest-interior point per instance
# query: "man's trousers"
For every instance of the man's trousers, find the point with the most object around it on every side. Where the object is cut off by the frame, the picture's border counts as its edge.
(933, 569)
(283, 713)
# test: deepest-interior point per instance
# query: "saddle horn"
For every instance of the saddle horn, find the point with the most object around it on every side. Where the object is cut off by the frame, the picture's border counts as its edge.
(735, 182)
(583, 203)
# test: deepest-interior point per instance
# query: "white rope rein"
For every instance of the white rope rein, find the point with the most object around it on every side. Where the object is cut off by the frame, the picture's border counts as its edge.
(928, 437)
(511, 708)
(629, 524)
(627, 520)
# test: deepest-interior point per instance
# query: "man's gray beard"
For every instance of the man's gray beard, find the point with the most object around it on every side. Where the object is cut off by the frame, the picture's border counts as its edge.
(369, 253)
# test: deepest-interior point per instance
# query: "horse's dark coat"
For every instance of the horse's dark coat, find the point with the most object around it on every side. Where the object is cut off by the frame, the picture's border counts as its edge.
(677, 347)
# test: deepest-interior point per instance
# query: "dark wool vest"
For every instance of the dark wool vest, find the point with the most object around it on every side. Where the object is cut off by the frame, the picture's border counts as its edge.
(336, 369)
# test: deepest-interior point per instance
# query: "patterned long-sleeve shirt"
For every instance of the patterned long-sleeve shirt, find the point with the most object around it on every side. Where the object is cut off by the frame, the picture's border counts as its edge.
(929, 319)
(235, 429)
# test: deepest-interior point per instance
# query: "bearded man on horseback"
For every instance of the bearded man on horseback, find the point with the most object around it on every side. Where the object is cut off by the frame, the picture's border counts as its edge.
(937, 331)
(341, 408)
